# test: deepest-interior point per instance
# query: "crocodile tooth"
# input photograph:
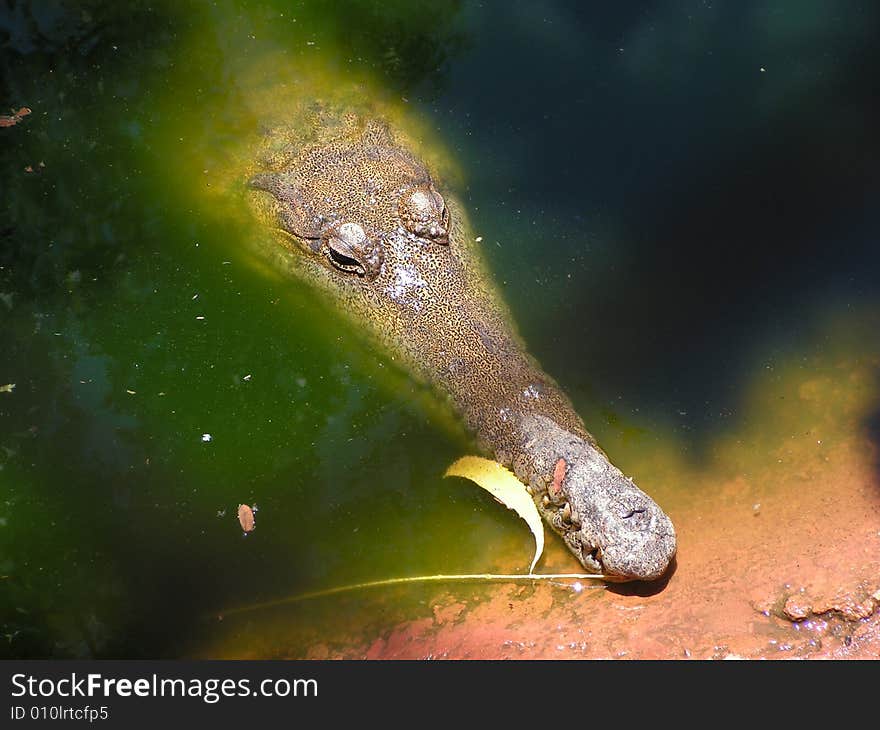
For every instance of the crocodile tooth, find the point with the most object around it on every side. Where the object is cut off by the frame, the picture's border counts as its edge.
(566, 513)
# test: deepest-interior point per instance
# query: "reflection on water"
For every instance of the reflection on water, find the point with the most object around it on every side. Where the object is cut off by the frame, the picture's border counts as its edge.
(690, 205)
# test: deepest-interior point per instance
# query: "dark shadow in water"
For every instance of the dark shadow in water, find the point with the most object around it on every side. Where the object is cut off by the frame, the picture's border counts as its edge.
(645, 588)
(408, 47)
(737, 244)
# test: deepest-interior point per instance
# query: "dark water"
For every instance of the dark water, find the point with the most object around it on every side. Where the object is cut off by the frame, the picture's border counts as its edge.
(675, 196)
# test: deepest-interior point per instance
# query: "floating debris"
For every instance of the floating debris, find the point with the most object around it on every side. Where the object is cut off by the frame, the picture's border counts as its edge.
(246, 518)
(14, 118)
(8, 388)
(207, 437)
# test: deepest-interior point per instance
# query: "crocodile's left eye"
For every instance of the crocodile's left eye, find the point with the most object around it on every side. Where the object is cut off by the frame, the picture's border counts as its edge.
(423, 212)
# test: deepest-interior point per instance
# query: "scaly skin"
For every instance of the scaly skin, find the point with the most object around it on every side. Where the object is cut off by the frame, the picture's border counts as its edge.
(363, 222)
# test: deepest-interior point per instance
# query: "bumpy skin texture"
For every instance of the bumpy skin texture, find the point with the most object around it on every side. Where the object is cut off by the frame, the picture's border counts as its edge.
(363, 221)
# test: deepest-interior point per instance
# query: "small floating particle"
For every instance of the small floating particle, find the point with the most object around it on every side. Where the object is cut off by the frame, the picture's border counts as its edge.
(131, 392)
(247, 377)
(478, 239)
(756, 508)
(246, 518)
(207, 437)
(8, 388)
(14, 118)
(763, 70)
(29, 168)
(200, 317)
(195, 296)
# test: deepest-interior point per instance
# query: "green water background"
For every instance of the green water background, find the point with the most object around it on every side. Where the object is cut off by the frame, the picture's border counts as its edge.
(672, 196)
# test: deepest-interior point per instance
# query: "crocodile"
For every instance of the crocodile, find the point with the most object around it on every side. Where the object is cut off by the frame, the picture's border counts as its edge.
(362, 220)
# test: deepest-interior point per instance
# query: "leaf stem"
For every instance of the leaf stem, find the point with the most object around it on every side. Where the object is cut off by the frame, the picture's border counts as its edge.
(414, 579)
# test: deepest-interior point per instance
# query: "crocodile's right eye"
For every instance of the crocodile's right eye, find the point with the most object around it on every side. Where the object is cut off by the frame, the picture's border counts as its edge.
(423, 212)
(348, 248)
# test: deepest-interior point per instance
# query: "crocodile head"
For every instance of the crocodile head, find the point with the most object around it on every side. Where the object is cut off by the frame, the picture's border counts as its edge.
(364, 215)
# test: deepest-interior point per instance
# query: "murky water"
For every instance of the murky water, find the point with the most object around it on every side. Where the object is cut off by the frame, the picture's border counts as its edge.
(678, 200)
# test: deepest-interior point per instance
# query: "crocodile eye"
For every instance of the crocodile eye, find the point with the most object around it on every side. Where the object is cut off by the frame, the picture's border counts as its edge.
(348, 248)
(423, 213)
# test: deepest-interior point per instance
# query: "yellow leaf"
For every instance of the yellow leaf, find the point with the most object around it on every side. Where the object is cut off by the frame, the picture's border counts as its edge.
(506, 488)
